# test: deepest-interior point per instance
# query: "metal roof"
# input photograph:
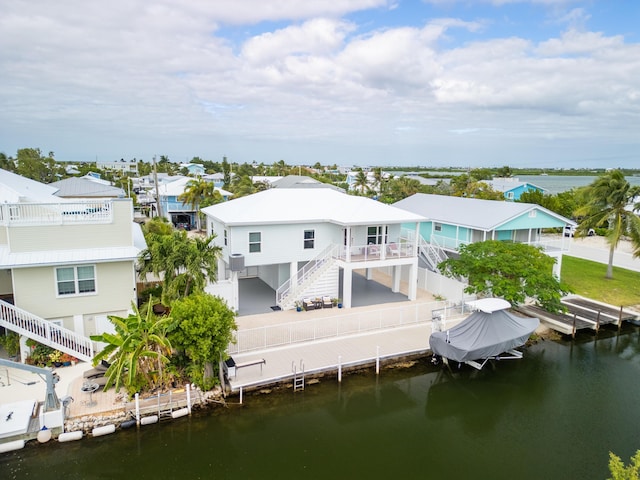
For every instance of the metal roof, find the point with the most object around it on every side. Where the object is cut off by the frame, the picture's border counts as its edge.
(469, 212)
(301, 205)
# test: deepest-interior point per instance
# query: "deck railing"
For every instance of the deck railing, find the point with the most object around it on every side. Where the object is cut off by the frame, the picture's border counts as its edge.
(45, 332)
(341, 324)
(96, 211)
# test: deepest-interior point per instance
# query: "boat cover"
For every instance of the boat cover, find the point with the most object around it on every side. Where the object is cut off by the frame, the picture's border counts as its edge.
(483, 335)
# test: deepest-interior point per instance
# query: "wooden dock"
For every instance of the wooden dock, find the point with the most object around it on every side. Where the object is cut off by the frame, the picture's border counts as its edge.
(582, 313)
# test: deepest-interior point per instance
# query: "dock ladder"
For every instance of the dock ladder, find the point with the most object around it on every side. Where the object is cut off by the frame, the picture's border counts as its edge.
(298, 376)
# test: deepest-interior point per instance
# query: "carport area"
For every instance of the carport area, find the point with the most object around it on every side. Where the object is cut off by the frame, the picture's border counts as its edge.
(256, 297)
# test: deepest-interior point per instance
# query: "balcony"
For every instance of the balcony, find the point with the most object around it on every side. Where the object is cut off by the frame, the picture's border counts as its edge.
(84, 212)
(370, 253)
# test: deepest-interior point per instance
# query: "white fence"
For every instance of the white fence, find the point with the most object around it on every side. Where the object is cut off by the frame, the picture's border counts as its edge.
(340, 325)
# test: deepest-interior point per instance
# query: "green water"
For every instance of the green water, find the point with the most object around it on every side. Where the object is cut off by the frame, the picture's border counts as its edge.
(554, 414)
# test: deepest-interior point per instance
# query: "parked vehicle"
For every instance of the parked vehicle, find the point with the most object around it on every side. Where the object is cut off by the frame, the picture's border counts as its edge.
(569, 231)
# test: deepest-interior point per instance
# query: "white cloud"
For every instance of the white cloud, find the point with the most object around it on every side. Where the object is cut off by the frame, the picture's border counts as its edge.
(138, 72)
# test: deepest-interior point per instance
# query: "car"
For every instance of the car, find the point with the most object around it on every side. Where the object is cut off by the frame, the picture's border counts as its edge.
(570, 230)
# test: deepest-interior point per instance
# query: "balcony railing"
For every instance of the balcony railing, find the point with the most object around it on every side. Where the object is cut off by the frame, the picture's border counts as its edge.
(373, 252)
(56, 213)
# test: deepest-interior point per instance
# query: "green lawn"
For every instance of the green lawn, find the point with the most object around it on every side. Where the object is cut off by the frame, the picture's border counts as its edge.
(587, 278)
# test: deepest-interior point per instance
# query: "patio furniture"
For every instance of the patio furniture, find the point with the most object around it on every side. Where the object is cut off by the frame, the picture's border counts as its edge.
(326, 302)
(393, 249)
(308, 304)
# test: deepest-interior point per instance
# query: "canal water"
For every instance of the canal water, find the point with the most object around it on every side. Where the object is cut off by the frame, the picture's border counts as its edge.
(555, 414)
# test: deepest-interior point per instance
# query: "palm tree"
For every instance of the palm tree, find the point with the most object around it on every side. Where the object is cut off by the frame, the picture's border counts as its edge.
(609, 198)
(194, 193)
(137, 351)
(361, 184)
(184, 264)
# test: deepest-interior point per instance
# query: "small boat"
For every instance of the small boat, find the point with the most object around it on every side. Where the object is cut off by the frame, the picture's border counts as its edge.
(490, 332)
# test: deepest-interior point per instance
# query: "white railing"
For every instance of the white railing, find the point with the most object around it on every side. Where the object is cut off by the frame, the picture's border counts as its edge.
(372, 252)
(291, 287)
(95, 211)
(432, 252)
(448, 243)
(45, 332)
(341, 325)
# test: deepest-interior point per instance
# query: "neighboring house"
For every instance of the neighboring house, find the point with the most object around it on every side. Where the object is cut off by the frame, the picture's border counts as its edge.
(86, 187)
(65, 265)
(177, 212)
(453, 221)
(217, 179)
(129, 167)
(512, 187)
(302, 181)
(300, 242)
(352, 180)
(194, 169)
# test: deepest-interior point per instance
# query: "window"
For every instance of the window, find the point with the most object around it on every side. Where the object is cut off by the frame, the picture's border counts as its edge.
(375, 234)
(255, 240)
(76, 280)
(226, 237)
(532, 214)
(437, 227)
(309, 238)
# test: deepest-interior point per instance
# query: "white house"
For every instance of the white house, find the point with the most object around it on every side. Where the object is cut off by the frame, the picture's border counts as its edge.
(300, 241)
(65, 264)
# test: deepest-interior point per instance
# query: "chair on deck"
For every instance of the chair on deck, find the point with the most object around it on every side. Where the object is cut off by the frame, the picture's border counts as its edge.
(393, 249)
(308, 304)
(326, 302)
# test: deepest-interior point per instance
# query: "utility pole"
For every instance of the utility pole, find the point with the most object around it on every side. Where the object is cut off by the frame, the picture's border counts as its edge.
(155, 180)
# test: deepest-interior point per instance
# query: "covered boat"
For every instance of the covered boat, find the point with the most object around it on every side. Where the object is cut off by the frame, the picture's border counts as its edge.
(489, 332)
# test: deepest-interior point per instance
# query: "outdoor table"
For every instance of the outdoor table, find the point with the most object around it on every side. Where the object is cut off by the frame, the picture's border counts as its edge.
(90, 387)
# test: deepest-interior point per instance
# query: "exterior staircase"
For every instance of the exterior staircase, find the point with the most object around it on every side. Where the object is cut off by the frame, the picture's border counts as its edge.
(431, 253)
(45, 332)
(307, 277)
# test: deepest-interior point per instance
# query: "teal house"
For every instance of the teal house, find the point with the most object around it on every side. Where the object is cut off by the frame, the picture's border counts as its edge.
(455, 221)
(512, 187)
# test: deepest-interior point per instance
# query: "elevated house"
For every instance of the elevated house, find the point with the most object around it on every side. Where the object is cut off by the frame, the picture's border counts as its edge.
(454, 221)
(86, 187)
(181, 214)
(302, 241)
(65, 264)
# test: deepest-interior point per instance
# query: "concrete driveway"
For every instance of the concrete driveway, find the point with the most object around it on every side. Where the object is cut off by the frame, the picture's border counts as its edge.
(597, 249)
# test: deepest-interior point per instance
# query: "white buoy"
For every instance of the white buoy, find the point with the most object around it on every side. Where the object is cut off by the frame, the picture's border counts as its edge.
(149, 420)
(44, 435)
(104, 430)
(180, 413)
(11, 446)
(70, 436)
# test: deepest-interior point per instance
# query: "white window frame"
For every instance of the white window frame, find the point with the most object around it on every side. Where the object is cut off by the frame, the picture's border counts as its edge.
(253, 244)
(76, 282)
(437, 227)
(226, 237)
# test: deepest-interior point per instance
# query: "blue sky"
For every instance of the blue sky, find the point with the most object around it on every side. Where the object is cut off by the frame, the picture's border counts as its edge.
(548, 83)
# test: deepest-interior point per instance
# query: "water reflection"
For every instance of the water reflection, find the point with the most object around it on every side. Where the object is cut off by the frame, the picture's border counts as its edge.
(554, 414)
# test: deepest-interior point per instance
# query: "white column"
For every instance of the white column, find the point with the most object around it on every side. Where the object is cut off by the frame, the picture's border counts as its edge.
(413, 280)
(395, 278)
(346, 287)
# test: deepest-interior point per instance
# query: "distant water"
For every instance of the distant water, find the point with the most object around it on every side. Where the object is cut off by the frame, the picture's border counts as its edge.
(557, 183)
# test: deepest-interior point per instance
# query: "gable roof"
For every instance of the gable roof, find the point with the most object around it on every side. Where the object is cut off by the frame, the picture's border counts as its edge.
(301, 205)
(86, 187)
(16, 188)
(470, 212)
(506, 184)
(302, 181)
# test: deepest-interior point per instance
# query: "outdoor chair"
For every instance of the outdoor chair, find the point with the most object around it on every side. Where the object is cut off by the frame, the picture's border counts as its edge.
(393, 249)
(308, 304)
(326, 302)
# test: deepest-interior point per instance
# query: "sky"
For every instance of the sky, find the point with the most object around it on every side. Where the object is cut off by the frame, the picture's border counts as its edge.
(434, 83)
